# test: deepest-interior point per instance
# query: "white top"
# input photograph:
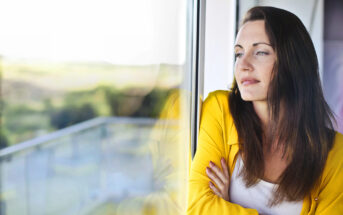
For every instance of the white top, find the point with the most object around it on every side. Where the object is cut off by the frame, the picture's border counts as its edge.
(258, 196)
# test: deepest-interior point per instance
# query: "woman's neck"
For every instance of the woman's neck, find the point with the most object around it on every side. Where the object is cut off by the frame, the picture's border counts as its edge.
(261, 109)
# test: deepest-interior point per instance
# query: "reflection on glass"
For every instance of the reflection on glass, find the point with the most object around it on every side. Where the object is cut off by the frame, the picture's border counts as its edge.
(94, 107)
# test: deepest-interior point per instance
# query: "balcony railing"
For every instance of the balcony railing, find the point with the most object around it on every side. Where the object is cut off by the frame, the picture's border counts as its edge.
(76, 169)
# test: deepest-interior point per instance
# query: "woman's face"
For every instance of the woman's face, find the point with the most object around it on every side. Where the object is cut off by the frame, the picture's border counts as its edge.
(255, 58)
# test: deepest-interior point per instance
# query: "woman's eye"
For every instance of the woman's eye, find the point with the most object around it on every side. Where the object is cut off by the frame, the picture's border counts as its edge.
(238, 55)
(262, 53)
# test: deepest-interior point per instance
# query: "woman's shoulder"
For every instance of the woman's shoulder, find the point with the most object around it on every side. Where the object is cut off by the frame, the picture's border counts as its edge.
(216, 105)
(339, 139)
(221, 95)
(334, 164)
(217, 99)
(336, 153)
(331, 185)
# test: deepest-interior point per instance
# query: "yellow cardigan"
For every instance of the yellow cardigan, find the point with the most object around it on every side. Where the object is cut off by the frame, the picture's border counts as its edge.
(218, 138)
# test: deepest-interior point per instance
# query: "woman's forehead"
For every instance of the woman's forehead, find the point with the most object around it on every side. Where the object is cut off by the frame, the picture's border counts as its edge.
(252, 32)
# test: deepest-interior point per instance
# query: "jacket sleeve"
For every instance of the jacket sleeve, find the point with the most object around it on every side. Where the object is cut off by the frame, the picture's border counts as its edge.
(330, 198)
(201, 199)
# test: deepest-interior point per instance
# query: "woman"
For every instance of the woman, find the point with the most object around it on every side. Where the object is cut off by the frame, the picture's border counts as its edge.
(268, 145)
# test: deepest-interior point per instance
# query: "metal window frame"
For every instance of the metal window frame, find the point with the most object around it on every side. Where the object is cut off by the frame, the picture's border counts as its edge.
(198, 56)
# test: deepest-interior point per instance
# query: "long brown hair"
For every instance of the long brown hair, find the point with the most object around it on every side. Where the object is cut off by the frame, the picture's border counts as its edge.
(301, 122)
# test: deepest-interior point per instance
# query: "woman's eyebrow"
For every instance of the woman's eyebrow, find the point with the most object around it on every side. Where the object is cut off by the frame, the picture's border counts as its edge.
(256, 44)
(239, 46)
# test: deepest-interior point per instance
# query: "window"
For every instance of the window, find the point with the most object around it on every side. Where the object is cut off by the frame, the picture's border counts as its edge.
(95, 106)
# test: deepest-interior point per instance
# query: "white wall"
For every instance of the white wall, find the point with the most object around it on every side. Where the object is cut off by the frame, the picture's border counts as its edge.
(219, 40)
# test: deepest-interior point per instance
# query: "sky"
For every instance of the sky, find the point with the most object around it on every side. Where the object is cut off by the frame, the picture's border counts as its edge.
(114, 31)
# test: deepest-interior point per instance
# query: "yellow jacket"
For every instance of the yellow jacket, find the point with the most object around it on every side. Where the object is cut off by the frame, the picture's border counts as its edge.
(218, 138)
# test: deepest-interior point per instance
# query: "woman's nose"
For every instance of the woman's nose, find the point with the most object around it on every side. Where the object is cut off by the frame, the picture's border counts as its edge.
(244, 63)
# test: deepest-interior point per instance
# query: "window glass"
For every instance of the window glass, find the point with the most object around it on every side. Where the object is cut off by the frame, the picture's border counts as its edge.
(94, 106)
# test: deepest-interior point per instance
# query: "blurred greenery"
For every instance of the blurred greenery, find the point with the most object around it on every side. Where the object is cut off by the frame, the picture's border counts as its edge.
(71, 115)
(29, 120)
(3, 139)
(43, 96)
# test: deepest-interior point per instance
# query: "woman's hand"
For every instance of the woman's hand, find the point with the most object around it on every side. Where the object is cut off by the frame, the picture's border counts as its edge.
(220, 178)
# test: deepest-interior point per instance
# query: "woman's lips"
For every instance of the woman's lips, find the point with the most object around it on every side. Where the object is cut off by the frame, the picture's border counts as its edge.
(246, 82)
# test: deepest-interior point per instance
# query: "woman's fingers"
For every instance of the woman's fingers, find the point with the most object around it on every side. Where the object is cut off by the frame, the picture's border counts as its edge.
(225, 168)
(218, 172)
(213, 176)
(215, 190)
(220, 178)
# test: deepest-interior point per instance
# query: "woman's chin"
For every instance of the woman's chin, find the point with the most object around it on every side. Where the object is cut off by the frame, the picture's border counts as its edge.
(247, 98)
(251, 98)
